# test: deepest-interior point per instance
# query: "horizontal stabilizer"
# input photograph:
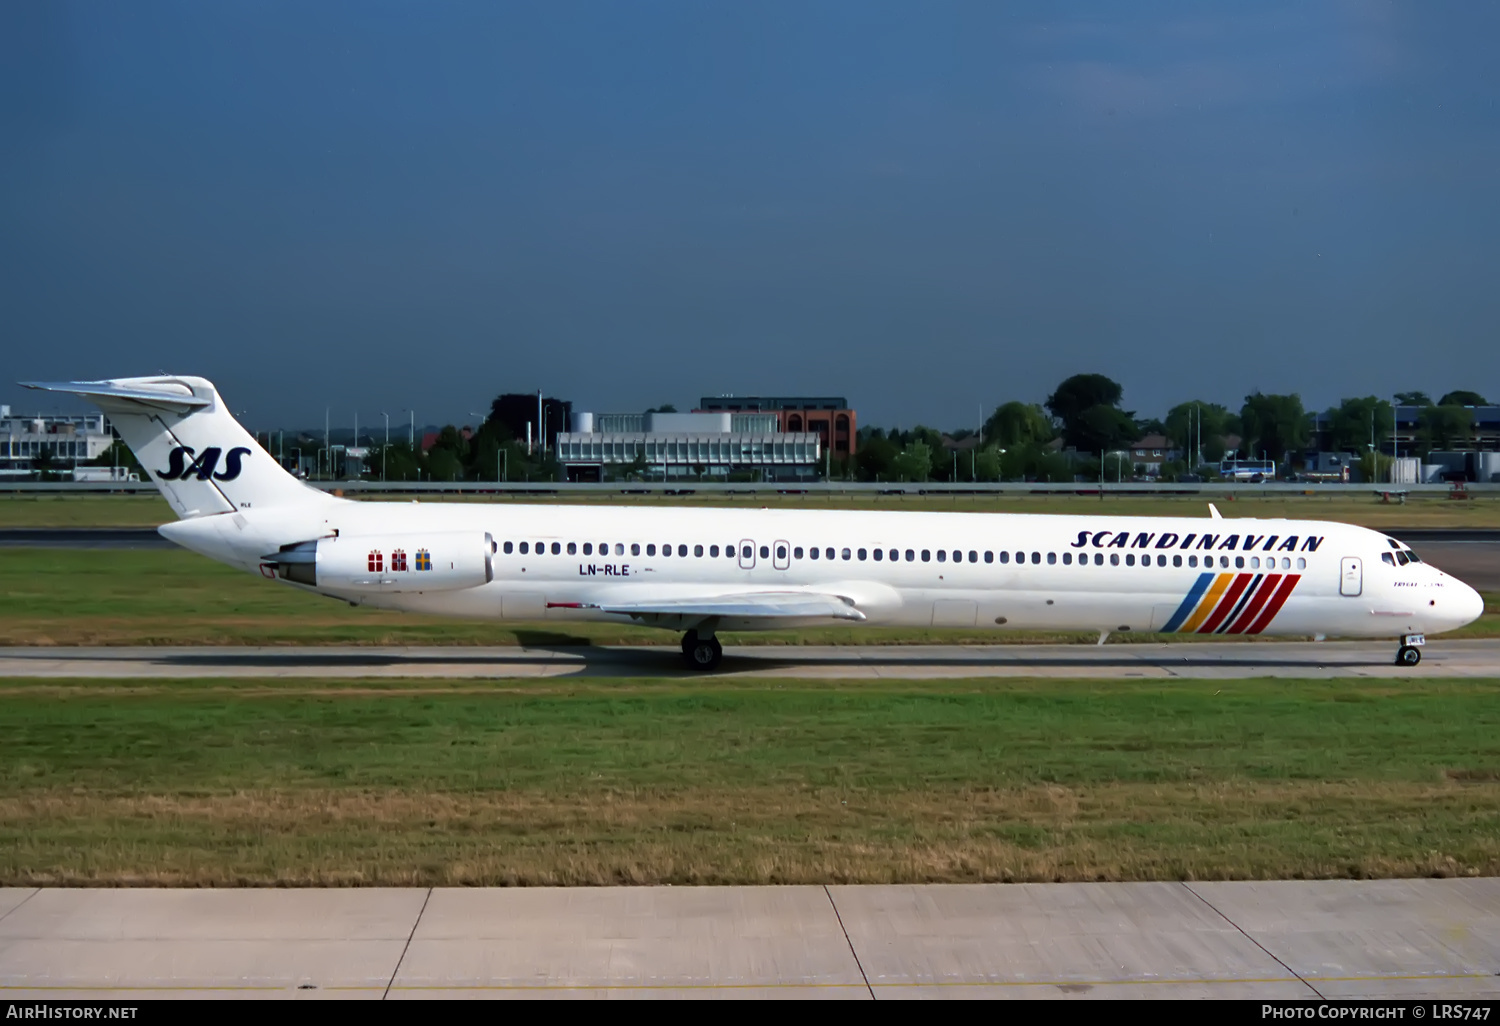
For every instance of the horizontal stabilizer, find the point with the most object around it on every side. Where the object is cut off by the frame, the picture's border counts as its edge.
(166, 394)
(759, 605)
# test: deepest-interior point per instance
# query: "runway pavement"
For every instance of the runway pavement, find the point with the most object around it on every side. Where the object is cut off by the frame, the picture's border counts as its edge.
(1189, 660)
(1300, 940)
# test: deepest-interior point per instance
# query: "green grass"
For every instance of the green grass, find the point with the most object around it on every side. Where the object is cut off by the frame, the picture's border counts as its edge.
(62, 510)
(592, 782)
(174, 597)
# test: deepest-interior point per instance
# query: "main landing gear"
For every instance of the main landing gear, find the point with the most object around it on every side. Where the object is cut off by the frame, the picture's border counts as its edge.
(1410, 652)
(701, 653)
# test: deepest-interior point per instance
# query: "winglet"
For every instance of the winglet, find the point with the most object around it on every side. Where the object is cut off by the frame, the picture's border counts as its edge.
(1214, 511)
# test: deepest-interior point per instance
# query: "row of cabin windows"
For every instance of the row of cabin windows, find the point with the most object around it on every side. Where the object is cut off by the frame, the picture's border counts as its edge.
(910, 555)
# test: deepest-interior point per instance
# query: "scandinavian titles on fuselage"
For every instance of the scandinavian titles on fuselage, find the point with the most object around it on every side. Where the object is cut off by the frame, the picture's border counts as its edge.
(1170, 539)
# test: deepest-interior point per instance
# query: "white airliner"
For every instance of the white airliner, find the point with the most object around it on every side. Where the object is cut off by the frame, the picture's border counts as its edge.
(701, 571)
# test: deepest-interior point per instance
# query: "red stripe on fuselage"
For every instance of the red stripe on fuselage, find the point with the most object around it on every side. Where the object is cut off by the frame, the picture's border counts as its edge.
(1225, 604)
(1262, 594)
(1274, 606)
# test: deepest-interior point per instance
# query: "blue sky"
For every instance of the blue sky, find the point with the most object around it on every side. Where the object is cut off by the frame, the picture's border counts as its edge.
(927, 207)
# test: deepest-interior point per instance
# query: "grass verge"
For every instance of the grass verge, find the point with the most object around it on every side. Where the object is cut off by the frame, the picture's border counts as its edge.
(648, 782)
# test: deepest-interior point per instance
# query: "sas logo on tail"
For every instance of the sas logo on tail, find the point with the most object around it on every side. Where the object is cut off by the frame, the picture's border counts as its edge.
(204, 466)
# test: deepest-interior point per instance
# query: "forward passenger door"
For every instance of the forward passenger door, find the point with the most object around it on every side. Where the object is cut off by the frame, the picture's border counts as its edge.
(1351, 579)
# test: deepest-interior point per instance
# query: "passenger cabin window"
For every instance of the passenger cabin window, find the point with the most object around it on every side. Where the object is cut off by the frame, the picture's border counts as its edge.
(1114, 559)
(1036, 557)
(508, 548)
(797, 552)
(650, 550)
(845, 553)
(942, 555)
(682, 550)
(911, 555)
(828, 554)
(635, 548)
(989, 557)
(572, 548)
(697, 550)
(1005, 557)
(878, 553)
(813, 552)
(1130, 559)
(765, 552)
(1067, 559)
(861, 554)
(781, 552)
(1301, 563)
(926, 555)
(1051, 557)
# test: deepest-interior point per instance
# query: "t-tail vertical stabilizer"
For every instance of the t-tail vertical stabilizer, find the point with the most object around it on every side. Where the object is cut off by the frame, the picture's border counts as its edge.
(200, 457)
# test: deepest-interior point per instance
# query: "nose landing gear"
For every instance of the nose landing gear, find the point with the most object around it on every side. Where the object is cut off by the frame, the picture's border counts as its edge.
(701, 653)
(1410, 652)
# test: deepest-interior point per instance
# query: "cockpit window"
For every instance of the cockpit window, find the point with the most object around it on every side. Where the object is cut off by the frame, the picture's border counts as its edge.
(1413, 556)
(1386, 557)
(1393, 543)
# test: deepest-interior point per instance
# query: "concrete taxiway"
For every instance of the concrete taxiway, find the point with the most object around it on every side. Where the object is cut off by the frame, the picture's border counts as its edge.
(1284, 940)
(1187, 660)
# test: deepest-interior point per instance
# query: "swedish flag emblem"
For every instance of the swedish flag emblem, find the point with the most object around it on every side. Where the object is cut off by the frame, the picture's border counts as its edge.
(423, 559)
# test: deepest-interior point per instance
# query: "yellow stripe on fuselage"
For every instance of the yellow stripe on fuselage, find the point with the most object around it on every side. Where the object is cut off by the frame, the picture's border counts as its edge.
(1215, 592)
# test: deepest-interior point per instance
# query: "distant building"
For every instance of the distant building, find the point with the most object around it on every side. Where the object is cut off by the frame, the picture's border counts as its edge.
(829, 417)
(687, 446)
(1151, 452)
(65, 440)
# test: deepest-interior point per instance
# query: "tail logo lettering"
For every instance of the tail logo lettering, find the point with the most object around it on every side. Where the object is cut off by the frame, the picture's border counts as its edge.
(203, 466)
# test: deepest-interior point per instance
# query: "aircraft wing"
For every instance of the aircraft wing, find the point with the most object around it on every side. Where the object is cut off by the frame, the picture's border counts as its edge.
(761, 604)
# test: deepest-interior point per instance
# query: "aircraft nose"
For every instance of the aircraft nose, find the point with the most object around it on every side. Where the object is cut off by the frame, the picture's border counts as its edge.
(1469, 607)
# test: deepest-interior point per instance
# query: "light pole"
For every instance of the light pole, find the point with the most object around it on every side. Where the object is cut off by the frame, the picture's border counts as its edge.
(383, 451)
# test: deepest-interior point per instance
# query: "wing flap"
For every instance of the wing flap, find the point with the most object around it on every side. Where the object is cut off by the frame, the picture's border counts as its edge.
(759, 605)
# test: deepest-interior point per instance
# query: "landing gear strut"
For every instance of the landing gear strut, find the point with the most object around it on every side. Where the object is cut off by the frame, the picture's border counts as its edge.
(1410, 652)
(701, 653)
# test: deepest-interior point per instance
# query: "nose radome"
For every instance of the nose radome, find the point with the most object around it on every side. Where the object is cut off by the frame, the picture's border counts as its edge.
(1470, 605)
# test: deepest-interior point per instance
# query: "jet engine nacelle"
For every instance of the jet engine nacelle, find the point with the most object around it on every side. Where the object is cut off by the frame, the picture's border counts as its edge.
(416, 561)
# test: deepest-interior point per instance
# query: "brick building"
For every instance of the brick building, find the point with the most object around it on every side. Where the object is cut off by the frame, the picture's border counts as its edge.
(828, 417)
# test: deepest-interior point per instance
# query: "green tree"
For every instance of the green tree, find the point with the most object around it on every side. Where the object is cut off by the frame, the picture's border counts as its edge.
(1018, 423)
(987, 464)
(875, 460)
(1374, 466)
(1274, 424)
(1082, 392)
(1088, 406)
(1413, 399)
(1444, 427)
(914, 463)
(1463, 398)
(1184, 430)
(636, 468)
(444, 465)
(1352, 422)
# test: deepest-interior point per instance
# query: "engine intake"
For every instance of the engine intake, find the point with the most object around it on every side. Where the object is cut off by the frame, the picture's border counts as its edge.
(435, 561)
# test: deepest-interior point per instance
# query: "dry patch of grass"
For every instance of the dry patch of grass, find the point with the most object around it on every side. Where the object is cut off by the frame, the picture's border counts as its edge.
(1240, 830)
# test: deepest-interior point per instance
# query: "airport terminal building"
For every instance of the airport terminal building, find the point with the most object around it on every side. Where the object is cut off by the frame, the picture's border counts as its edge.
(688, 446)
(66, 440)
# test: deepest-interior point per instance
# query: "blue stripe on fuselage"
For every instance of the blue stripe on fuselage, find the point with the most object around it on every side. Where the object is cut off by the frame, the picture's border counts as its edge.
(1188, 604)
